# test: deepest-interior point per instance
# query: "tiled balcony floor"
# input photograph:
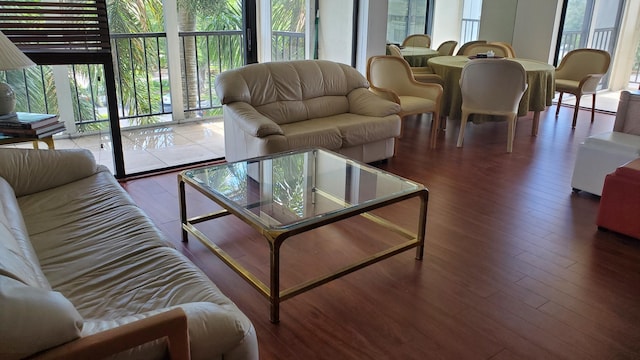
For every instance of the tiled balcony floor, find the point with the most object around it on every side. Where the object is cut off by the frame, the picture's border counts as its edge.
(152, 148)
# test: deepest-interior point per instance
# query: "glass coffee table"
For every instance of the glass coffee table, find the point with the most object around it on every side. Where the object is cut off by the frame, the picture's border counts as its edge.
(286, 194)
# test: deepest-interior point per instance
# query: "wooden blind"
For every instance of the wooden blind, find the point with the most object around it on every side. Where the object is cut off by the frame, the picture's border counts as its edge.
(48, 30)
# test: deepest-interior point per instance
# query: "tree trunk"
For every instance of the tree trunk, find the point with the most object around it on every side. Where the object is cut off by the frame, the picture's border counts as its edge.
(187, 22)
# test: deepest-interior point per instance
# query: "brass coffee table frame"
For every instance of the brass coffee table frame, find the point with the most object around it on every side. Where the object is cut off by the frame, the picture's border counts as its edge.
(277, 238)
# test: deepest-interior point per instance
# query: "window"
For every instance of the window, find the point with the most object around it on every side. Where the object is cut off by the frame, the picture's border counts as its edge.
(471, 11)
(590, 24)
(406, 17)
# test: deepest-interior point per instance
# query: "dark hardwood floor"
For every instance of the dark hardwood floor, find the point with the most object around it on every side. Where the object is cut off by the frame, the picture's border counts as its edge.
(514, 266)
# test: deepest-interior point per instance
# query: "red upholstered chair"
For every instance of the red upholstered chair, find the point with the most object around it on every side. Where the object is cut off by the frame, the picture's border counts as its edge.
(620, 202)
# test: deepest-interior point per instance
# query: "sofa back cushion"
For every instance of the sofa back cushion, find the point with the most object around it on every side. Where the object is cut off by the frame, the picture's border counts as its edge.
(18, 260)
(291, 91)
(30, 171)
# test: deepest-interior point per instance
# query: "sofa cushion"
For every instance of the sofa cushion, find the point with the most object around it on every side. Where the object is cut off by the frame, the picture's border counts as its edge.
(77, 228)
(313, 133)
(18, 260)
(285, 112)
(358, 129)
(34, 319)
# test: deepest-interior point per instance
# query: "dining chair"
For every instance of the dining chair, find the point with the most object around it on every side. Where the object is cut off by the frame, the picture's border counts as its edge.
(512, 52)
(492, 87)
(422, 40)
(464, 46)
(579, 73)
(394, 50)
(447, 48)
(498, 49)
(391, 78)
(420, 73)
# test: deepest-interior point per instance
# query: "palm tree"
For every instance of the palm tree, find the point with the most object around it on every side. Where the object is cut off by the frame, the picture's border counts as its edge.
(290, 16)
(189, 11)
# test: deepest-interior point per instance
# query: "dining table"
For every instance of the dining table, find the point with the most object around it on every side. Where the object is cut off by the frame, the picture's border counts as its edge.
(418, 56)
(539, 94)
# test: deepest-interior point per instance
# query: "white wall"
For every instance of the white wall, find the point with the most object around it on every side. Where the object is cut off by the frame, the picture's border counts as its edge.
(372, 34)
(447, 19)
(622, 64)
(529, 25)
(497, 20)
(536, 24)
(334, 30)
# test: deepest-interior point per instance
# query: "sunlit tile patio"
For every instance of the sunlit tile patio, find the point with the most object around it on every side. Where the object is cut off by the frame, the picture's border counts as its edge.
(154, 147)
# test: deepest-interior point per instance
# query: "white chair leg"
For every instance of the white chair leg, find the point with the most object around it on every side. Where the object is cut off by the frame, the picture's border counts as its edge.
(463, 124)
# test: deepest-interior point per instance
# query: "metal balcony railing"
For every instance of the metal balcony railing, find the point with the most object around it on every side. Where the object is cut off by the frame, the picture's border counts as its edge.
(470, 30)
(142, 76)
(602, 39)
(287, 45)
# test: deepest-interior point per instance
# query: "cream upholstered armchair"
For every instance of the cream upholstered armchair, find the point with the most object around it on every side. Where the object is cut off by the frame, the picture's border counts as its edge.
(421, 73)
(508, 81)
(391, 78)
(512, 52)
(447, 48)
(422, 40)
(579, 73)
(498, 49)
(464, 46)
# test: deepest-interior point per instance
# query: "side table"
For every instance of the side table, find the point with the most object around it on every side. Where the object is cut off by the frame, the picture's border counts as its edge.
(40, 127)
(7, 139)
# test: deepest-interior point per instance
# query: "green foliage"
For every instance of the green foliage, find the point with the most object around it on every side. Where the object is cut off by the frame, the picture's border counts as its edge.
(288, 15)
(28, 85)
(574, 20)
(141, 61)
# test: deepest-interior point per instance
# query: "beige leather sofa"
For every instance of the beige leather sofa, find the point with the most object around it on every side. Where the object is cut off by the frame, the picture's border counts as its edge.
(279, 106)
(79, 260)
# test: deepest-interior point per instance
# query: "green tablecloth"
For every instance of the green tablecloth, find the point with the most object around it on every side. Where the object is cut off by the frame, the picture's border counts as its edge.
(418, 56)
(540, 77)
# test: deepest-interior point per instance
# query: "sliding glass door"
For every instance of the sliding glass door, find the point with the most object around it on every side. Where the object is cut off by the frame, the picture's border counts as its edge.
(590, 24)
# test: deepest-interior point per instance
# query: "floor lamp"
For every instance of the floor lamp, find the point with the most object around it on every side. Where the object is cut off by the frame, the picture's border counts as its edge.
(11, 58)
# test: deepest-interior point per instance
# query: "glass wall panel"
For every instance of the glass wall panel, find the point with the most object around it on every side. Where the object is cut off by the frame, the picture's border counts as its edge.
(405, 17)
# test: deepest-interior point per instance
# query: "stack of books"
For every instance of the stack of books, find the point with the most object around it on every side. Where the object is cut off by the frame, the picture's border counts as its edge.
(30, 125)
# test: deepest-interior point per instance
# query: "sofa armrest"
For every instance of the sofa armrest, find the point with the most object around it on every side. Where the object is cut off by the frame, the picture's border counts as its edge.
(364, 102)
(386, 94)
(247, 118)
(171, 324)
(29, 171)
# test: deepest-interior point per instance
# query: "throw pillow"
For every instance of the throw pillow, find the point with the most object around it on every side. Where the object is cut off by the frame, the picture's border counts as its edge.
(34, 319)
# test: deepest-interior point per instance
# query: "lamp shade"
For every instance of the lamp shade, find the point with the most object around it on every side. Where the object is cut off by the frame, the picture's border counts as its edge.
(11, 58)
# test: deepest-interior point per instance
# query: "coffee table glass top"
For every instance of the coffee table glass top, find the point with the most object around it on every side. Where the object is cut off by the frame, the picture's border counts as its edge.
(299, 187)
